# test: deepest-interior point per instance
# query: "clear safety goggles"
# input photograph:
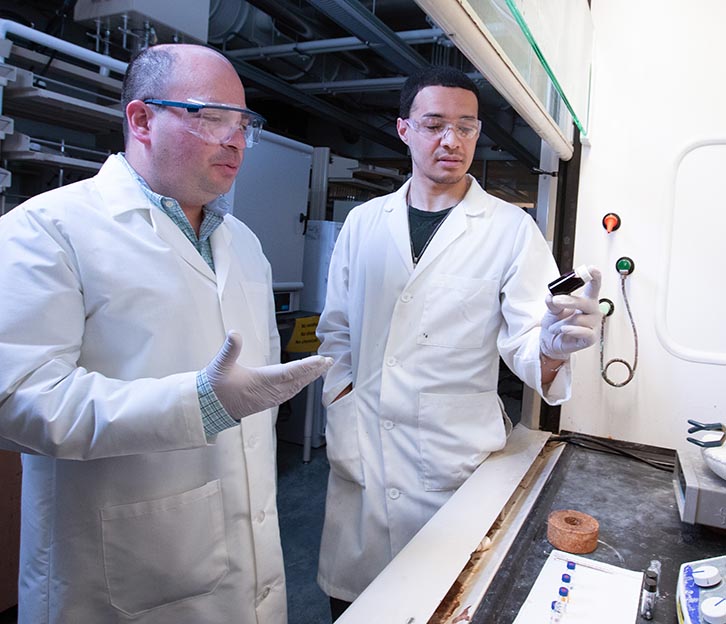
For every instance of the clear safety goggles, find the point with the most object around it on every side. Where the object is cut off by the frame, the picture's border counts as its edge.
(435, 128)
(217, 123)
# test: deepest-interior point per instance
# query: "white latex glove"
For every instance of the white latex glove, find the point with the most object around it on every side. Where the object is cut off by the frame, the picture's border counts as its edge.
(243, 391)
(571, 321)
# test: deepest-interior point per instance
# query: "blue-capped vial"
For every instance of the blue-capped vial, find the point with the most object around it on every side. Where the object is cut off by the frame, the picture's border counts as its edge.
(556, 612)
(571, 565)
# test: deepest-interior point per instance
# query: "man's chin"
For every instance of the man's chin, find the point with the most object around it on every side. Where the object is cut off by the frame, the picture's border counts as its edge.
(450, 179)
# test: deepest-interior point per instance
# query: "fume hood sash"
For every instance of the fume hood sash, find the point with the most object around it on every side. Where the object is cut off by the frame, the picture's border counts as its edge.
(468, 24)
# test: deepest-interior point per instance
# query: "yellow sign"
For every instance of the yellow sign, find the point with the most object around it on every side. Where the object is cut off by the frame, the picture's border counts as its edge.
(303, 339)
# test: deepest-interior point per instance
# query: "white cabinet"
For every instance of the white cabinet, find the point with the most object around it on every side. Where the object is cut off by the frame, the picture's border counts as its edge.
(270, 196)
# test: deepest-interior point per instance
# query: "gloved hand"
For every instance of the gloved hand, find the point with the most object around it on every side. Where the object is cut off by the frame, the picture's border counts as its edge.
(571, 321)
(243, 391)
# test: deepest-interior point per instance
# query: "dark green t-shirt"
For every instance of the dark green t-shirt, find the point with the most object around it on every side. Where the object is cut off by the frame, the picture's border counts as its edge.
(422, 226)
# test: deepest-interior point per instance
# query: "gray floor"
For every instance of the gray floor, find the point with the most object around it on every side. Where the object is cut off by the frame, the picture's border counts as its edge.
(301, 503)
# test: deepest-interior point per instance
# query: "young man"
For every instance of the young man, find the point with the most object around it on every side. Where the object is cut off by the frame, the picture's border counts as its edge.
(428, 286)
(149, 466)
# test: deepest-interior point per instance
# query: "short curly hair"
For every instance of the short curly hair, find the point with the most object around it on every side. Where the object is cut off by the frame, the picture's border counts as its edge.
(433, 77)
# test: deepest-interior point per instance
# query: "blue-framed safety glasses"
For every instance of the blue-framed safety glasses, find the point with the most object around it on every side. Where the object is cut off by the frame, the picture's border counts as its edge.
(217, 123)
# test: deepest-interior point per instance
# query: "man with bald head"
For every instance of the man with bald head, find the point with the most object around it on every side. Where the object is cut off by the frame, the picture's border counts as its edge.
(140, 370)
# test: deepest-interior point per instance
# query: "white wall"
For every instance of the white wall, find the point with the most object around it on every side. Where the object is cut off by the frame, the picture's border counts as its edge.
(659, 85)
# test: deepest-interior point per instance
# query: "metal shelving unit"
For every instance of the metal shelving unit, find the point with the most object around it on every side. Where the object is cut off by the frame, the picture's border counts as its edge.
(59, 120)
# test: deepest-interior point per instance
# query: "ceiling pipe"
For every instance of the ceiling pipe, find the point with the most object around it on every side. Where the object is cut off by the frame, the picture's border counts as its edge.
(366, 85)
(340, 44)
(370, 85)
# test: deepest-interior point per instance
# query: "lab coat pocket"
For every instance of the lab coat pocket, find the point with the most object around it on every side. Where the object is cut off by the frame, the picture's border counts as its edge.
(341, 435)
(456, 433)
(165, 550)
(455, 311)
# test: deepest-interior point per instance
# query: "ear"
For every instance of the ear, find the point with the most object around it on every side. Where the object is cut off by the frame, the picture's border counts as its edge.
(138, 118)
(402, 128)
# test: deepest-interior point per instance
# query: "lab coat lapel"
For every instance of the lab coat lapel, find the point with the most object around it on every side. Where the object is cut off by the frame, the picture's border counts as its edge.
(121, 193)
(398, 224)
(169, 232)
(474, 204)
(221, 240)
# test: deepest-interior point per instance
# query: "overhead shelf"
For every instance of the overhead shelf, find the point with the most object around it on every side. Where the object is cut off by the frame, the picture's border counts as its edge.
(24, 58)
(371, 172)
(7, 73)
(349, 172)
(362, 184)
(7, 126)
(60, 112)
(22, 148)
(46, 105)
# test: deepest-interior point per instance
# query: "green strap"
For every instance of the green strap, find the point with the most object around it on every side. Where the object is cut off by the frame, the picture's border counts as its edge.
(528, 35)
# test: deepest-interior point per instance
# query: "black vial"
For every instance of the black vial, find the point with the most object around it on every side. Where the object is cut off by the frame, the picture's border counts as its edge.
(571, 281)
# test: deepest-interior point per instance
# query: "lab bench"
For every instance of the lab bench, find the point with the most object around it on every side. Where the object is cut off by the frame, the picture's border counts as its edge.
(635, 506)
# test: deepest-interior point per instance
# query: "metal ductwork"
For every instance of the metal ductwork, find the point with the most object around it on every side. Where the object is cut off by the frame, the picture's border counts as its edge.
(297, 54)
(359, 21)
(295, 97)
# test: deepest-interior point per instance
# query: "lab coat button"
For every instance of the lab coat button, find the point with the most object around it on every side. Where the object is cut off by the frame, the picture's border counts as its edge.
(391, 361)
(388, 425)
(394, 493)
(252, 442)
(265, 593)
(260, 517)
(406, 297)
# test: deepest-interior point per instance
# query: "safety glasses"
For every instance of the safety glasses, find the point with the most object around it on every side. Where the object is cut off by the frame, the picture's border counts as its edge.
(217, 123)
(435, 128)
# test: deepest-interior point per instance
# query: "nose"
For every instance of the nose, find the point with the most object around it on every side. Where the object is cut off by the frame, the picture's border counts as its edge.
(237, 139)
(449, 136)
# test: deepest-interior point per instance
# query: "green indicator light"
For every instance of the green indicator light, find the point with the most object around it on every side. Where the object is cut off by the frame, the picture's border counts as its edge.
(606, 307)
(625, 265)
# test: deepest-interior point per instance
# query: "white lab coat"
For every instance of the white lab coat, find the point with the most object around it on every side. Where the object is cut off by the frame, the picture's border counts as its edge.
(128, 513)
(421, 348)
